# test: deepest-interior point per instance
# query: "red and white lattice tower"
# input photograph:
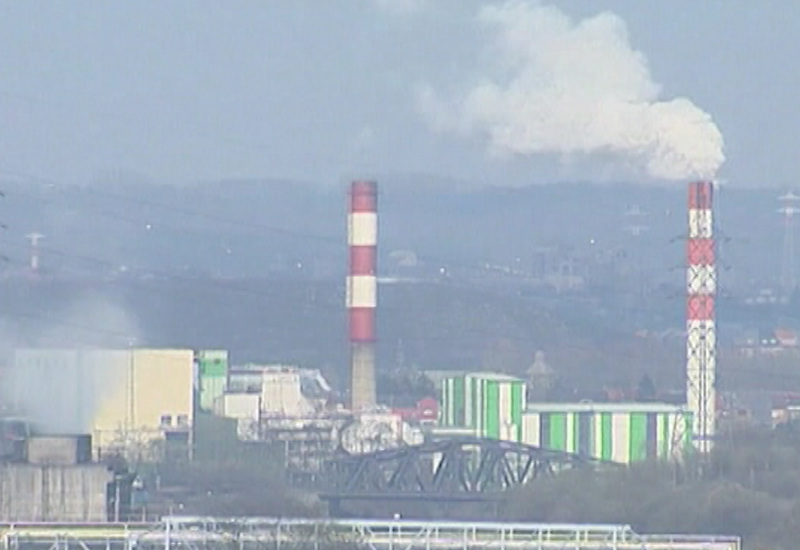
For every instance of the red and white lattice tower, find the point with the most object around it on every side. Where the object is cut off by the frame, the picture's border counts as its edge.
(701, 333)
(362, 291)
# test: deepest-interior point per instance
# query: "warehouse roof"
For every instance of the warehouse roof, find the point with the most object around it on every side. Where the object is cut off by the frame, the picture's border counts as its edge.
(588, 406)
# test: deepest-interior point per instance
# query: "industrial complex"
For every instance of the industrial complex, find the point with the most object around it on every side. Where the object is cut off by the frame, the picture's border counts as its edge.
(76, 409)
(395, 275)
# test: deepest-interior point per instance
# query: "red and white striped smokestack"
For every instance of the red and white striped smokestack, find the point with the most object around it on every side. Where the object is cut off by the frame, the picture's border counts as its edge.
(362, 291)
(700, 318)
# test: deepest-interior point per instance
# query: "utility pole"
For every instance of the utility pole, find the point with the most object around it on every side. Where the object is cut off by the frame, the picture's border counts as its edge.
(34, 238)
(789, 207)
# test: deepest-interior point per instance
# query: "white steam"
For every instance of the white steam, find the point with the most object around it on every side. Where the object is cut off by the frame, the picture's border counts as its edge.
(53, 379)
(568, 88)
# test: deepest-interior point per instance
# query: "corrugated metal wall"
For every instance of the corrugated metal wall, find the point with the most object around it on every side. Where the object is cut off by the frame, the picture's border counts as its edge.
(492, 405)
(616, 434)
(212, 367)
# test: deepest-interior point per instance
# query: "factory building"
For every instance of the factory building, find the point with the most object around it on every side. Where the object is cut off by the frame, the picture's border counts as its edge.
(284, 391)
(618, 432)
(489, 404)
(128, 400)
(284, 405)
(53, 478)
(141, 403)
(294, 407)
(244, 409)
(494, 406)
(211, 367)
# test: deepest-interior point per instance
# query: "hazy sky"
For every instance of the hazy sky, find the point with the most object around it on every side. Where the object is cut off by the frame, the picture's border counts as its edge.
(182, 91)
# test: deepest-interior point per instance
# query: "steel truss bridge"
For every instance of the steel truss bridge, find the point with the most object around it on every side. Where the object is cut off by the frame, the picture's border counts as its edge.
(200, 533)
(463, 469)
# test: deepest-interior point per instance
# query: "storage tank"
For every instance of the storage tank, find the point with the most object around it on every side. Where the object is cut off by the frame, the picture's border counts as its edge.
(618, 432)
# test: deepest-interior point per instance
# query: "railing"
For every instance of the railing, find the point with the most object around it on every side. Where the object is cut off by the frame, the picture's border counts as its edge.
(321, 534)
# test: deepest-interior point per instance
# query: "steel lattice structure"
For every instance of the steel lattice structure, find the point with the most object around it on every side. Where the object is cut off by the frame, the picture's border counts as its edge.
(456, 470)
(701, 341)
(210, 533)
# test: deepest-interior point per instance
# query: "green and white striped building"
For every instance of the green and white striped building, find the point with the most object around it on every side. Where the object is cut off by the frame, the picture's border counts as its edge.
(494, 405)
(488, 403)
(211, 376)
(619, 432)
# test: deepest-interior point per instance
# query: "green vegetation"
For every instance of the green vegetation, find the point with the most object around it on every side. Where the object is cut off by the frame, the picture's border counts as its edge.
(234, 488)
(404, 388)
(749, 487)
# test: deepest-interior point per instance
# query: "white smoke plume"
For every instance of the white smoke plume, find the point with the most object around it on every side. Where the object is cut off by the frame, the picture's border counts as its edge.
(60, 391)
(576, 88)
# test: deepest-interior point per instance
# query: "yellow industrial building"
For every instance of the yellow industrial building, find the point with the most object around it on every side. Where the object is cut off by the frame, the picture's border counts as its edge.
(128, 400)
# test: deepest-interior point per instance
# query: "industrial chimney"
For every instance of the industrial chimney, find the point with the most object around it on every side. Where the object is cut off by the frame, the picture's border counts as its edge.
(362, 291)
(700, 323)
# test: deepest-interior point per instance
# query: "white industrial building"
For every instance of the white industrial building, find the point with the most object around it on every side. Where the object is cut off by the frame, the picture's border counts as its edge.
(293, 405)
(129, 400)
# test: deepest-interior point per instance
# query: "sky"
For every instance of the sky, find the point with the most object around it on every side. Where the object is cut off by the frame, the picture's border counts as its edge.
(188, 91)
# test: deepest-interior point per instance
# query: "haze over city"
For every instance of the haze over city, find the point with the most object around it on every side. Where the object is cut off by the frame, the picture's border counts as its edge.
(186, 92)
(399, 272)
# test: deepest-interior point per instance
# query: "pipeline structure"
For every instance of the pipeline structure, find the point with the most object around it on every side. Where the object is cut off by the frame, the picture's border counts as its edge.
(210, 533)
(362, 291)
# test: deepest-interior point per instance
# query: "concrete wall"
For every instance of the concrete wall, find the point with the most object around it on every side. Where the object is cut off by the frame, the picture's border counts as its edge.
(53, 493)
(60, 449)
(125, 398)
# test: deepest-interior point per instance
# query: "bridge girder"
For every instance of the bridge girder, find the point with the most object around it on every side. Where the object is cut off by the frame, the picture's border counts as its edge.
(457, 469)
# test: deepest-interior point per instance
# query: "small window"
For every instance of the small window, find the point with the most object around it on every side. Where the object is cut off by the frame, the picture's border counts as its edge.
(166, 420)
(183, 420)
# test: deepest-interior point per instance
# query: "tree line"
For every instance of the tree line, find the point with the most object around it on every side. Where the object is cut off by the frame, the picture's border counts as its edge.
(749, 487)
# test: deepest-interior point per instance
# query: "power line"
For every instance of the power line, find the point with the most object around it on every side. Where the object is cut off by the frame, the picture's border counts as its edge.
(190, 212)
(256, 228)
(196, 130)
(474, 335)
(273, 229)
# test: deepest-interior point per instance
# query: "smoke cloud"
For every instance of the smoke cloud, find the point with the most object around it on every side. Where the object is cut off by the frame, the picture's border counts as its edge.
(53, 379)
(576, 88)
